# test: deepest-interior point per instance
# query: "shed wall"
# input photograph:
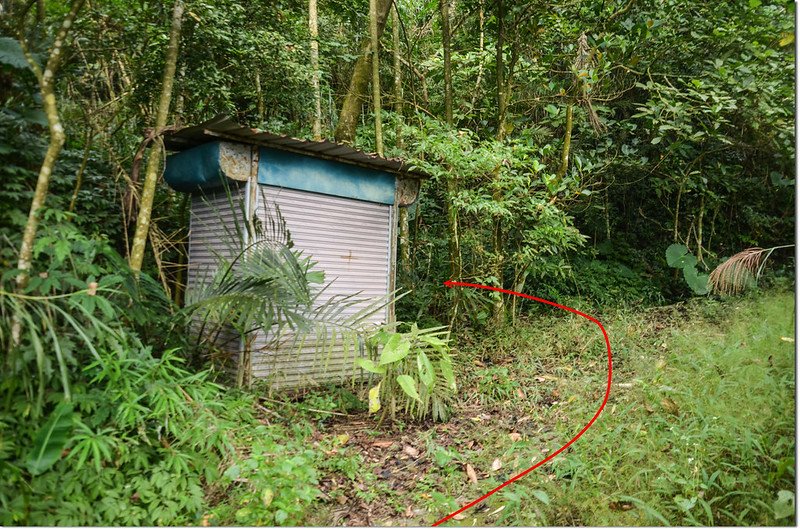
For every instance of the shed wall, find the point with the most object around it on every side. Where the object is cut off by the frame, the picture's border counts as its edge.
(213, 235)
(350, 241)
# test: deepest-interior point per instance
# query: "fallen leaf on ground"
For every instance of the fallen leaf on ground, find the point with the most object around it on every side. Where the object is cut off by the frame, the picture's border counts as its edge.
(383, 444)
(473, 477)
(670, 406)
(459, 516)
(515, 437)
(497, 510)
(497, 464)
(620, 506)
(410, 450)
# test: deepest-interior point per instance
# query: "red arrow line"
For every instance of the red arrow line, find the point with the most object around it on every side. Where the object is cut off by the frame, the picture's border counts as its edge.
(583, 430)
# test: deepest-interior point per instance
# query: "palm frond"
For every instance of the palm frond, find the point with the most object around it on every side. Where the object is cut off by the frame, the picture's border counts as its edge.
(734, 275)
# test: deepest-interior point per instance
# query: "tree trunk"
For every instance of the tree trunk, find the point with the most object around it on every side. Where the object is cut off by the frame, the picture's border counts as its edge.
(398, 79)
(498, 309)
(82, 169)
(314, 33)
(562, 169)
(375, 45)
(501, 81)
(480, 54)
(154, 162)
(356, 92)
(448, 73)
(46, 80)
(260, 98)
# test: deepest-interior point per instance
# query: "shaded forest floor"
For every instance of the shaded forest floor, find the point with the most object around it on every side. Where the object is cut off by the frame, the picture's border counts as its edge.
(699, 428)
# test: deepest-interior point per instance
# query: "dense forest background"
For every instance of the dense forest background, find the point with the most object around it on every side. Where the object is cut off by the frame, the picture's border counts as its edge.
(585, 138)
(569, 145)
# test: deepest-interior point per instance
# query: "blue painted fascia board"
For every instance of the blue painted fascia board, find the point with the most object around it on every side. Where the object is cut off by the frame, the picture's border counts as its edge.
(194, 169)
(306, 173)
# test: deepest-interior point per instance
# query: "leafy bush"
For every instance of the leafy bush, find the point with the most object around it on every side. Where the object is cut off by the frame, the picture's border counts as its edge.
(415, 373)
(274, 484)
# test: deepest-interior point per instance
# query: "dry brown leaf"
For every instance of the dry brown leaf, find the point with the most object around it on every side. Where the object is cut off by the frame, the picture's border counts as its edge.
(459, 516)
(670, 406)
(409, 512)
(410, 450)
(497, 464)
(383, 444)
(473, 477)
(515, 437)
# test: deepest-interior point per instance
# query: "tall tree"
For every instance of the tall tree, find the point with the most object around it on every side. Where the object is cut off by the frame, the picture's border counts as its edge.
(444, 7)
(404, 238)
(359, 82)
(314, 34)
(154, 161)
(397, 70)
(375, 45)
(46, 80)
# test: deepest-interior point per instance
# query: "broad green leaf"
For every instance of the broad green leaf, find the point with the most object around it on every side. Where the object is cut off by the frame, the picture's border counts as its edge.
(50, 440)
(697, 282)
(433, 341)
(425, 369)
(233, 472)
(409, 386)
(784, 505)
(542, 496)
(375, 399)
(368, 365)
(395, 350)
(678, 256)
(11, 53)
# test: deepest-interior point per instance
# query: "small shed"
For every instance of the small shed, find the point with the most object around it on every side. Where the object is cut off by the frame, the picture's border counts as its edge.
(339, 204)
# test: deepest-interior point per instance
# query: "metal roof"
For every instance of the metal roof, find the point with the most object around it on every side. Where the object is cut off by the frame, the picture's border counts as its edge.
(224, 128)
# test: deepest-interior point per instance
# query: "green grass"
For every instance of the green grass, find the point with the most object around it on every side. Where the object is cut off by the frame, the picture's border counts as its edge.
(699, 428)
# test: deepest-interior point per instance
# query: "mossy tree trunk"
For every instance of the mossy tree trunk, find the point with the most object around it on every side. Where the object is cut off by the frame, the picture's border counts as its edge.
(375, 46)
(357, 90)
(46, 80)
(444, 7)
(313, 30)
(154, 161)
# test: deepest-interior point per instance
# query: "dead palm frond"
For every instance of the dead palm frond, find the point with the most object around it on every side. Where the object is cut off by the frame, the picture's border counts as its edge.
(733, 276)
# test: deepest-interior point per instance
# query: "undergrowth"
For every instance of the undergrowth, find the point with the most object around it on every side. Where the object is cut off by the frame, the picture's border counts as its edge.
(699, 428)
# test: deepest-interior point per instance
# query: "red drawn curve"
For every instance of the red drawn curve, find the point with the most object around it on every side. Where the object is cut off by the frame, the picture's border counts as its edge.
(583, 430)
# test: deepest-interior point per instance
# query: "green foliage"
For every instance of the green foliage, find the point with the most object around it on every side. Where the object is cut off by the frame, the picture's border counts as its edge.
(496, 385)
(678, 256)
(279, 484)
(415, 373)
(50, 440)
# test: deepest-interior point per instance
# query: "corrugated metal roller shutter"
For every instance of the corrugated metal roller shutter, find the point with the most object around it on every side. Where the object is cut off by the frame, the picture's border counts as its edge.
(350, 241)
(212, 234)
